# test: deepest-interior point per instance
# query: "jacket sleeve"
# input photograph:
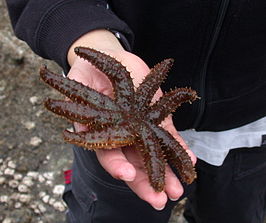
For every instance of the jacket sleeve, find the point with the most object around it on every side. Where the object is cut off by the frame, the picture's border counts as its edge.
(49, 27)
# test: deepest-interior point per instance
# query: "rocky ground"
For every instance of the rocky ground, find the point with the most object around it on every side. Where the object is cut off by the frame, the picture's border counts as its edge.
(32, 153)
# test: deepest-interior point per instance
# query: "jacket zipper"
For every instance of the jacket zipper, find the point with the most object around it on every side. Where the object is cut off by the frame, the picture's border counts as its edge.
(203, 73)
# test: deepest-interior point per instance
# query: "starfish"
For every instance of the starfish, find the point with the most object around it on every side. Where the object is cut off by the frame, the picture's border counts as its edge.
(129, 119)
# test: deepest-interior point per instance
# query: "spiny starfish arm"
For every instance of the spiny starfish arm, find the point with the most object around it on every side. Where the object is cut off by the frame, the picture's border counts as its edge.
(169, 102)
(153, 158)
(76, 91)
(115, 71)
(151, 83)
(82, 113)
(107, 138)
(175, 154)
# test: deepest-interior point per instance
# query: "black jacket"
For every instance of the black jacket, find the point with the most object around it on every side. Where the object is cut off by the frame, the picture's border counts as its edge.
(219, 47)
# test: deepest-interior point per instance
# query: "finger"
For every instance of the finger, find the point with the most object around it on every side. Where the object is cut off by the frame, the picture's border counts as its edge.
(145, 192)
(192, 156)
(169, 126)
(141, 185)
(85, 73)
(173, 187)
(116, 164)
(79, 127)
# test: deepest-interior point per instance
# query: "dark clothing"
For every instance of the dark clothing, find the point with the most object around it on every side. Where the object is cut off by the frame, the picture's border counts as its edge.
(94, 196)
(219, 47)
(234, 192)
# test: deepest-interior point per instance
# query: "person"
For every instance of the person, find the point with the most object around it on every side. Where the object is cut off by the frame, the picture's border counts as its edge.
(219, 49)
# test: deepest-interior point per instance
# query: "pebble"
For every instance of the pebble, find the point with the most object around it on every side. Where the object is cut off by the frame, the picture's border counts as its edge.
(35, 141)
(41, 179)
(18, 176)
(11, 164)
(1, 160)
(49, 183)
(13, 183)
(33, 174)
(23, 188)
(34, 100)
(42, 194)
(7, 220)
(2, 180)
(17, 205)
(52, 201)
(34, 205)
(42, 208)
(45, 161)
(39, 209)
(10, 145)
(45, 198)
(29, 125)
(38, 113)
(4, 198)
(24, 198)
(59, 206)
(27, 180)
(49, 175)
(9, 171)
(59, 189)
(70, 129)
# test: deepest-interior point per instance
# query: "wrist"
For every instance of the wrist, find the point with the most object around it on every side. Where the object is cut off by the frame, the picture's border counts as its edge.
(101, 39)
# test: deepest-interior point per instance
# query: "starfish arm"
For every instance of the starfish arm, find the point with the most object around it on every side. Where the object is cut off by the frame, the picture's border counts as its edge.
(107, 138)
(175, 154)
(115, 71)
(169, 102)
(153, 158)
(76, 91)
(82, 113)
(151, 83)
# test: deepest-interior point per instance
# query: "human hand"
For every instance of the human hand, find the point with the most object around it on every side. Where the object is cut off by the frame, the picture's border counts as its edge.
(126, 164)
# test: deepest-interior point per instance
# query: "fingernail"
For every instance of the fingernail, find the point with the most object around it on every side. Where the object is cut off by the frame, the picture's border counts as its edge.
(176, 193)
(127, 178)
(173, 199)
(159, 208)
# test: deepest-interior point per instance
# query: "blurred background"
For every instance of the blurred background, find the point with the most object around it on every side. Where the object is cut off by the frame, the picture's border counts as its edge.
(33, 155)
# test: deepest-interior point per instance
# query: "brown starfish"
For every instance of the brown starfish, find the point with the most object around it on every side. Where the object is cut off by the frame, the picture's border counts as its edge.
(127, 120)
